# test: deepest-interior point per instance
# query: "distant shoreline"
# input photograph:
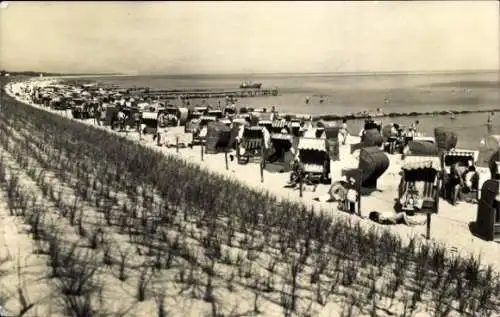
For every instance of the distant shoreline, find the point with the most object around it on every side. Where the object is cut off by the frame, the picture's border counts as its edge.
(277, 74)
(82, 76)
(333, 74)
(334, 117)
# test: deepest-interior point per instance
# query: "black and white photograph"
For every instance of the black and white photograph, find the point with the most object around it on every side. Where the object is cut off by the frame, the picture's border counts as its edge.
(249, 158)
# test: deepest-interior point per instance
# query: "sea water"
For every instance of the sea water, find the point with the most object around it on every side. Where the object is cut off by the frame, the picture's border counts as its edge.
(353, 93)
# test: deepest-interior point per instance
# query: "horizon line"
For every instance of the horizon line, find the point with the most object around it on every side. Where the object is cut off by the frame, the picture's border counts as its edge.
(402, 72)
(399, 72)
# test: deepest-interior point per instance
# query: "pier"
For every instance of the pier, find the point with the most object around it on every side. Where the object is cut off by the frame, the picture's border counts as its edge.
(205, 94)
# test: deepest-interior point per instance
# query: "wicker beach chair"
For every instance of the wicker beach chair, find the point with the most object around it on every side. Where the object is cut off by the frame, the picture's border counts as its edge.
(200, 133)
(268, 124)
(488, 211)
(251, 144)
(315, 159)
(218, 137)
(150, 122)
(278, 125)
(281, 144)
(392, 143)
(464, 158)
(420, 182)
(354, 178)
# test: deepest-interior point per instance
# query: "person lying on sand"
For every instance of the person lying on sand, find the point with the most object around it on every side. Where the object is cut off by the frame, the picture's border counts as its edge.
(390, 218)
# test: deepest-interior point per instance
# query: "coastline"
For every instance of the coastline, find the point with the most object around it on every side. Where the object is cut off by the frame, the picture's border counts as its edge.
(450, 226)
(315, 117)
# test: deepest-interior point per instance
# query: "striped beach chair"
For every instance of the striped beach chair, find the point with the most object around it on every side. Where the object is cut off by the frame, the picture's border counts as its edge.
(278, 125)
(251, 144)
(420, 180)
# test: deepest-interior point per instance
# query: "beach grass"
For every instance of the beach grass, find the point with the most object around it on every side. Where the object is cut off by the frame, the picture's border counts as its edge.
(210, 239)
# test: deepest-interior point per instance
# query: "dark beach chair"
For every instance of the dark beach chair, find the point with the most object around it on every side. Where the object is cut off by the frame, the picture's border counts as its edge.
(464, 158)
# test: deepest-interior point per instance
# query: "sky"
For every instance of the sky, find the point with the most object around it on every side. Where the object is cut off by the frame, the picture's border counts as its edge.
(249, 37)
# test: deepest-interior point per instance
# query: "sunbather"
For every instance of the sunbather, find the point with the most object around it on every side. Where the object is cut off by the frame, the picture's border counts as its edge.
(389, 218)
(463, 179)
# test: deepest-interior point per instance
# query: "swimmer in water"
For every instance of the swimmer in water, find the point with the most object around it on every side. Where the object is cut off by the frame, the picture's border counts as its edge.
(490, 118)
(489, 122)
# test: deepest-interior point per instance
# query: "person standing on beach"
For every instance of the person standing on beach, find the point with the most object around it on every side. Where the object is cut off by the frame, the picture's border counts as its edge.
(414, 128)
(138, 123)
(121, 119)
(160, 128)
(344, 131)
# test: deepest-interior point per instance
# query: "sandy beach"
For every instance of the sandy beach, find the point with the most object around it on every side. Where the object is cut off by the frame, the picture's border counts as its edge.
(450, 227)
(249, 159)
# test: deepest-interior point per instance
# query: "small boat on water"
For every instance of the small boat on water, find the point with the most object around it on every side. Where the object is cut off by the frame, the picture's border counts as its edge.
(250, 85)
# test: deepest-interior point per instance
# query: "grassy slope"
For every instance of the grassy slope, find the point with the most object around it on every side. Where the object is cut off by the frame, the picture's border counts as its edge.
(307, 262)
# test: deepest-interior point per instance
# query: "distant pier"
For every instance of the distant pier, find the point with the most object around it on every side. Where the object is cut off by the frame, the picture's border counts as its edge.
(203, 94)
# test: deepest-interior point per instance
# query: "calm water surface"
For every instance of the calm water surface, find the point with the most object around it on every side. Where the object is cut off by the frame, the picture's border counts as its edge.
(351, 93)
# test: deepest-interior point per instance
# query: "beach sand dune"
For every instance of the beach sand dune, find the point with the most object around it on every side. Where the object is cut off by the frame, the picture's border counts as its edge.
(449, 227)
